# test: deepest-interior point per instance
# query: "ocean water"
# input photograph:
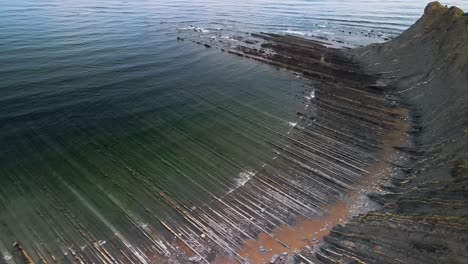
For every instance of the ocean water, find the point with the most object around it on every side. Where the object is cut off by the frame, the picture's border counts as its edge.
(109, 125)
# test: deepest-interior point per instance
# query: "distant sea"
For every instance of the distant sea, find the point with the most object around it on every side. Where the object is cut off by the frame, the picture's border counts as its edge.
(103, 111)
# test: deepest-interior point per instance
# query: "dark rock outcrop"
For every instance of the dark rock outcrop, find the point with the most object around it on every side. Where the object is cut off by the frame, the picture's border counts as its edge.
(346, 130)
(424, 215)
(425, 218)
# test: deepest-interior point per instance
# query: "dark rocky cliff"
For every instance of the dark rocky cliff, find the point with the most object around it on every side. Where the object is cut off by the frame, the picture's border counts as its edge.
(424, 216)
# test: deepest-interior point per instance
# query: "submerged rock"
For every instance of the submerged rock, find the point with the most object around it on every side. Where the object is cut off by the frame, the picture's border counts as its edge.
(274, 259)
(341, 131)
(425, 206)
(283, 255)
(261, 249)
(195, 259)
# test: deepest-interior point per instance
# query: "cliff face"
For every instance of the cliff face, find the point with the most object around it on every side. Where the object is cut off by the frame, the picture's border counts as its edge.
(425, 213)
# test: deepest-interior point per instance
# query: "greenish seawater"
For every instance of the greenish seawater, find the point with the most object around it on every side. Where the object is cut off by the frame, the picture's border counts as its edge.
(109, 125)
(111, 150)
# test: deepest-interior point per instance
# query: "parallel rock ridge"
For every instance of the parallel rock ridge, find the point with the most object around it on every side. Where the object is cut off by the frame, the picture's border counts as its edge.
(425, 215)
(345, 130)
(338, 134)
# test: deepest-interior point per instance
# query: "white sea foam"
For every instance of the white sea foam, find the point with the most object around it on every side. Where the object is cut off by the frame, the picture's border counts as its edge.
(229, 38)
(292, 124)
(244, 177)
(296, 32)
(241, 180)
(195, 28)
(311, 95)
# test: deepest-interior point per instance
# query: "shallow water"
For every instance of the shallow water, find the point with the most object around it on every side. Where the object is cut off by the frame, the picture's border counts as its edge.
(108, 123)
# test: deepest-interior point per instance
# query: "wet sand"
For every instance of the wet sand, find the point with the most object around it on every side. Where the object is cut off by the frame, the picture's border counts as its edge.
(423, 219)
(337, 147)
(307, 233)
(312, 60)
(341, 150)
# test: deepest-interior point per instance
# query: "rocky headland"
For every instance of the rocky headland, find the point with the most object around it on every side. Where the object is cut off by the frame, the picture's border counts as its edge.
(420, 77)
(424, 218)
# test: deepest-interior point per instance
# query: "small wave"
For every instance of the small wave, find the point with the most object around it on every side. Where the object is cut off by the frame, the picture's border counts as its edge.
(241, 180)
(194, 28)
(296, 32)
(292, 124)
(311, 95)
(244, 177)
(231, 38)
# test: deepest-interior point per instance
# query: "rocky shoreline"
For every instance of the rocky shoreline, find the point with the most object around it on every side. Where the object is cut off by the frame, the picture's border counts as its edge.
(424, 204)
(373, 168)
(355, 119)
(425, 213)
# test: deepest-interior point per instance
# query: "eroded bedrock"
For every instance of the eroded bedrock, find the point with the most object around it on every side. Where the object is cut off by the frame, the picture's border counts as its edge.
(362, 160)
(424, 214)
(424, 218)
(313, 162)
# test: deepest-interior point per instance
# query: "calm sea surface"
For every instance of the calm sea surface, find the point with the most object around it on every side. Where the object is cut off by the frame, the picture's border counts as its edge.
(103, 111)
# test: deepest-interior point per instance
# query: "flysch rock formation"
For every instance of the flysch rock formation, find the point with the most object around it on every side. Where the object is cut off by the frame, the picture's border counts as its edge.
(382, 130)
(424, 211)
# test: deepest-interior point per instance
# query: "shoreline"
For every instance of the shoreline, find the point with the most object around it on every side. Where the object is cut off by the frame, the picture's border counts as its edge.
(423, 219)
(305, 237)
(369, 164)
(295, 242)
(295, 54)
(369, 105)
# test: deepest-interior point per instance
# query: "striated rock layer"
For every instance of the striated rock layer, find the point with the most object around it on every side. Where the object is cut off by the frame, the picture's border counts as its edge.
(349, 133)
(424, 215)
(424, 218)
